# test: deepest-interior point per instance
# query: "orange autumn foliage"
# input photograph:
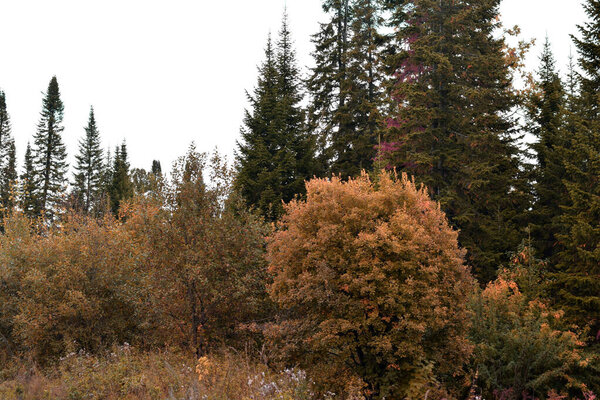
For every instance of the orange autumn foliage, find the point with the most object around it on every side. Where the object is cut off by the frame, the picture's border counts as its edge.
(372, 285)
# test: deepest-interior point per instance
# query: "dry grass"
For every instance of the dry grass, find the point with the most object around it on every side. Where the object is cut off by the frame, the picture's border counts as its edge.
(126, 373)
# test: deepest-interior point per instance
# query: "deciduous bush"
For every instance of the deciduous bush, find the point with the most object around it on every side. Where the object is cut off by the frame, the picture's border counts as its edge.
(69, 287)
(372, 286)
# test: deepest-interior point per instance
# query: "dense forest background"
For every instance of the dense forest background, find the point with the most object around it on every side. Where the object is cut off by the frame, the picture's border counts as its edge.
(385, 230)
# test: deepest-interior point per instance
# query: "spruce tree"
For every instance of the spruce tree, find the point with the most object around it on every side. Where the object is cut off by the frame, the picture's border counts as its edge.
(451, 126)
(29, 201)
(344, 86)
(577, 280)
(546, 108)
(89, 167)
(49, 153)
(121, 187)
(8, 167)
(295, 158)
(275, 154)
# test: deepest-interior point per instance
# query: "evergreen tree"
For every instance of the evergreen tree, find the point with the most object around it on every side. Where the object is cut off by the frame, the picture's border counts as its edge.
(8, 164)
(577, 280)
(451, 126)
(545, 113)
(344, 86)
(276, 154)
(29, 201)
(121, 187)
(156, 168)
(49, 153)
(89, 167)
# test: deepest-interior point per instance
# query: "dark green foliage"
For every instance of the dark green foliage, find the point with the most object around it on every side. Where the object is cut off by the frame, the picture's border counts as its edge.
(276, 155)
(545, 108)
(29, 201)
(451, 126)
(121, 187)
(49, 153)
(89, 168)
(156, 168)
(344, 86)
(577, 278)
(8, 163)
(588, 46)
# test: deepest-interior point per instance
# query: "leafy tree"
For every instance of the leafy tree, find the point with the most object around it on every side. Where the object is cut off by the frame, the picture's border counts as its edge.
(89, 167)
(49, 153)
(140, 181)
(121, 187)
(344, 85)
(29, 200)
(276, 154)
(8, 167)
(372, 286)
(451, 126)
(546, 109)
(205, 261)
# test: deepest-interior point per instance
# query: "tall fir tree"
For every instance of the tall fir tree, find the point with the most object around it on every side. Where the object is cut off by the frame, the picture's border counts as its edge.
(451, 127)
(344, 86)
(577, 278)
(546, 110)
(49, 153)
(8, 163)
(121, 187)
(276, 154)
(29, 201)
(89, 168)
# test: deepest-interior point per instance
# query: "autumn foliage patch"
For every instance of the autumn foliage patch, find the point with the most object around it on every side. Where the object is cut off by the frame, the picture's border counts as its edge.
(372, 287)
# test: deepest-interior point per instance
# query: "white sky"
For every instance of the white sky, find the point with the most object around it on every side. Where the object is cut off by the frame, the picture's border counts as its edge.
(164, 73)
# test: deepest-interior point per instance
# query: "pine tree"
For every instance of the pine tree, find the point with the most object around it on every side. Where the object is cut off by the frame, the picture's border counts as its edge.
(121, 187)
(546, 113)
(276, 154)
(29, 201)
(451, 126)
(89, 167)
(8, 167)
(49, 153)
(577, 280)
(344, 86)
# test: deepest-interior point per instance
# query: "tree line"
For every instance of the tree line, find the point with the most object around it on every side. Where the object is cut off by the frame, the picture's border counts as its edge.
(100, 181)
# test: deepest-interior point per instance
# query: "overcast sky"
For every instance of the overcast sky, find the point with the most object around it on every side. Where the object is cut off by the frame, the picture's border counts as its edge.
(164, 73)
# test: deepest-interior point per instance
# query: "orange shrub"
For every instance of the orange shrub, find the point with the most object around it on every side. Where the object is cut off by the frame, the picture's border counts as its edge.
(372, 286)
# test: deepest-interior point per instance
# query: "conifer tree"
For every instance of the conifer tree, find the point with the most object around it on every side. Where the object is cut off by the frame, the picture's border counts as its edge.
(546, 108)
(8, 167)
(451, 126)
(577, 280)
(49, 152)
(29, 201)
(121, 187)
(276, 154)
(344, 86)
(89, 167)
(156, 168)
